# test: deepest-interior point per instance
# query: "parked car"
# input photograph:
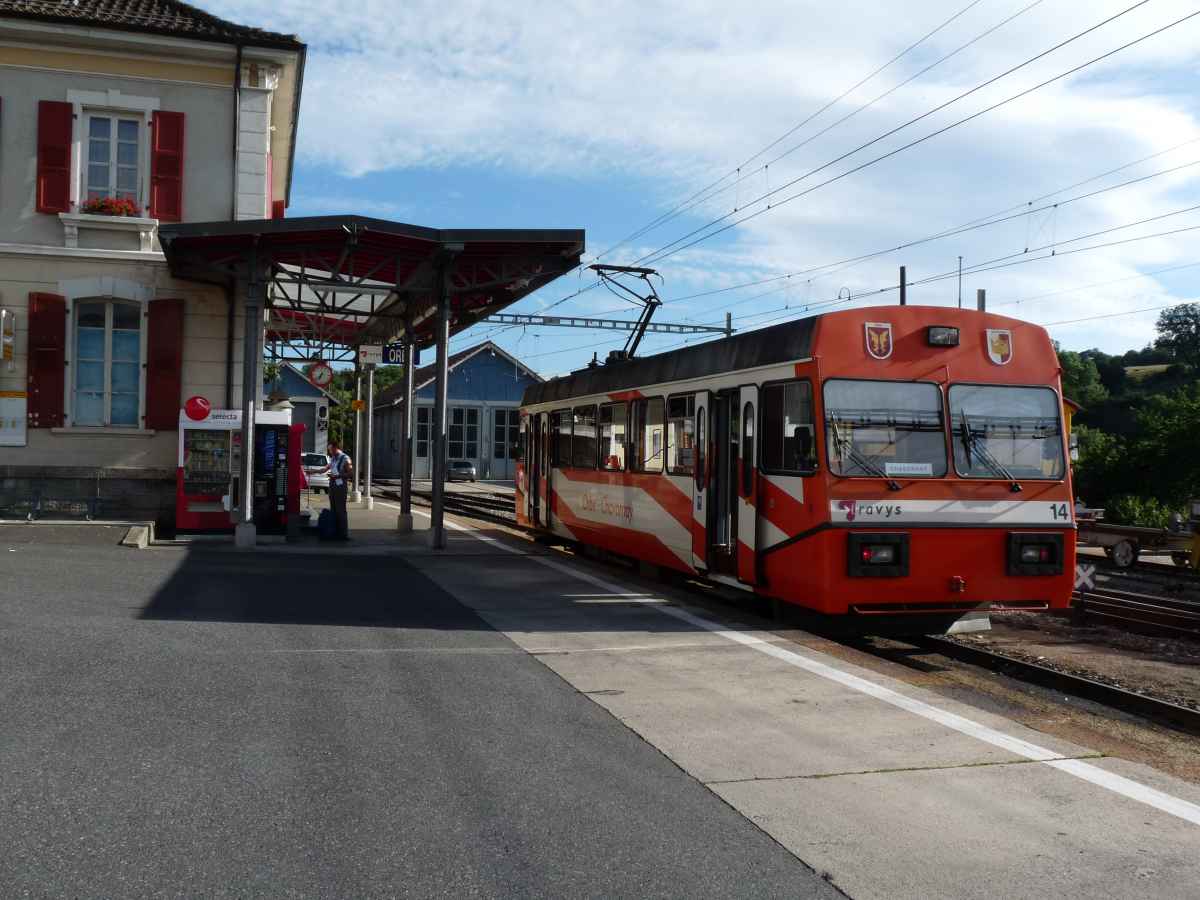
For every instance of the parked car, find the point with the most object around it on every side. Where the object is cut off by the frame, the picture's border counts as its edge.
(314, 465)
(461, 470)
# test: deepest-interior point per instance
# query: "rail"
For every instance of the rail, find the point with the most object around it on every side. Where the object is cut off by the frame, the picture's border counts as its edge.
(1139, 612)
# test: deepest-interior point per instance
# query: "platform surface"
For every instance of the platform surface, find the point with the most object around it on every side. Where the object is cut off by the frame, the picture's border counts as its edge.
(500, 719)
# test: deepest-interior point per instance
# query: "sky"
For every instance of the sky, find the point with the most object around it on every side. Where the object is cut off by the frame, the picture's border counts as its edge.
(613, 117)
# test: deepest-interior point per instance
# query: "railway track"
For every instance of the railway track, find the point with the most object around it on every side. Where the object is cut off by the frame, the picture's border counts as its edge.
(1146, 613)
(1128, 608)
(489, 506)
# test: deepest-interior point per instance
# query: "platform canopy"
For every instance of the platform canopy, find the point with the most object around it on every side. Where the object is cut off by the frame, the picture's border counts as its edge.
(333, 283)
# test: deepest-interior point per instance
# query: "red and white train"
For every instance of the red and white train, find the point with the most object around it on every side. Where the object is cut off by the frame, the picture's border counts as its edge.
(886, 464)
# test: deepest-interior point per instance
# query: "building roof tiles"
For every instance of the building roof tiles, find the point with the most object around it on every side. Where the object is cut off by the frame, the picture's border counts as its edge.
(167, 17)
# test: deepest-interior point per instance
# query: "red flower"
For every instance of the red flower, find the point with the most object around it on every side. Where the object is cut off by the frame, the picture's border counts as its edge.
(111, 206)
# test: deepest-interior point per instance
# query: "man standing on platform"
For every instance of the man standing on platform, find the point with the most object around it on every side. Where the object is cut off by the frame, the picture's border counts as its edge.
(341, 470)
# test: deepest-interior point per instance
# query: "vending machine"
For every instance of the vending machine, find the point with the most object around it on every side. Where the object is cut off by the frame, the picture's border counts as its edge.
(208, 479)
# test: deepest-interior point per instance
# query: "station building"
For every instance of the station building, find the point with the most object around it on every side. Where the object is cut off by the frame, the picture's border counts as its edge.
(120, 116)
(485, 388)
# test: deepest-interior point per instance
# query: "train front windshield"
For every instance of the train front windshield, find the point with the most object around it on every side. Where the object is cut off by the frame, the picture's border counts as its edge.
(885, 429)
(1002, 431)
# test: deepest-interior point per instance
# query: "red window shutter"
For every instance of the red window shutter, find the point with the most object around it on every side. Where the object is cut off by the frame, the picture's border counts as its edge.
(47, 359)
(164, 364)
(166, 166)
(55, 123)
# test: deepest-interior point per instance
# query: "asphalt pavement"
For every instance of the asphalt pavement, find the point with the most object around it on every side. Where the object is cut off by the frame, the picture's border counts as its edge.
(202, 722)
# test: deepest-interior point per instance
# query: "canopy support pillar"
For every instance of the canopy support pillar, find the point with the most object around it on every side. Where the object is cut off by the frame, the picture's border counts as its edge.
(245, 532)
(437, 531)
(368, 500)
(404, 521)
(355, 493)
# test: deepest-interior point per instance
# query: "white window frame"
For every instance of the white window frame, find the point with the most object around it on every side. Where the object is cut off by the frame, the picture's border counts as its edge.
(105, 288)
(110, 304)
(114, 104)
(115, 117)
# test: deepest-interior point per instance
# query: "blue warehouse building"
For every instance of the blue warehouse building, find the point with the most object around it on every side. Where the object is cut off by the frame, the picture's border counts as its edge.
(482, 414)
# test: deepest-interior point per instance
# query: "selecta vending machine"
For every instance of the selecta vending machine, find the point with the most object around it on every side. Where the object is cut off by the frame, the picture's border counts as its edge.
(208, 479)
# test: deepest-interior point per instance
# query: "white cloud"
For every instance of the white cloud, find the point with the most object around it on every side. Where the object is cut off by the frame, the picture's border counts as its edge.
(666, 97)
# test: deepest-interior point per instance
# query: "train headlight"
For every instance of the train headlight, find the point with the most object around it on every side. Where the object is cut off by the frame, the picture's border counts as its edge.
(1035, 553)
(878, 554)
(942, 336)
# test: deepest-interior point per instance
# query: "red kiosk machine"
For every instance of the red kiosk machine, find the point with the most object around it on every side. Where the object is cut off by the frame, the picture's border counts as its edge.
(210, 464)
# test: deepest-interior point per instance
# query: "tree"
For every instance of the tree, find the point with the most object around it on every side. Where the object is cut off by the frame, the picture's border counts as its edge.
(1081, 379)
(341, 416)
(1179, 333)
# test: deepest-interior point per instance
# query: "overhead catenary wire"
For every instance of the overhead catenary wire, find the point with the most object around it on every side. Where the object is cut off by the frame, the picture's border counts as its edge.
(683, 243)
(661, 253)
(790, 132)
(693, 203)
(1006, 215)
(790, 310)
(702, 195)
(1095, 284)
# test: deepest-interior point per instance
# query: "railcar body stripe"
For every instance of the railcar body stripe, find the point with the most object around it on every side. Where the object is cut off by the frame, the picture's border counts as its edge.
(1085, 771)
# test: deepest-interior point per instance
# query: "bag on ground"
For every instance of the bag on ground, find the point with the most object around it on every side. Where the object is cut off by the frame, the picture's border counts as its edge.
(326, 525)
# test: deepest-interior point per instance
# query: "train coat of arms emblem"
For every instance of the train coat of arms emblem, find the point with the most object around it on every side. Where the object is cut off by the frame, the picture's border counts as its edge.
(879, 339)
(999, 345)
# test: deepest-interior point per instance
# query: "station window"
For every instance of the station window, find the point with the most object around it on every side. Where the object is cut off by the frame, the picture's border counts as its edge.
(681, 444)
(505, 432)
(560, 425)
(108, 370)
(613, 436)
(649, 433)
(464, 433)
(788, 447)
(424, 416)
(583, 442)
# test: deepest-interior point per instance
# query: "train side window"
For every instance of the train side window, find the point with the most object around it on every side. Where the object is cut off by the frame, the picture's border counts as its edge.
(649, 434)
(788, 447)
(583, 443)
(613, 436)
(701, 447)
(681, 444)
(560, 424)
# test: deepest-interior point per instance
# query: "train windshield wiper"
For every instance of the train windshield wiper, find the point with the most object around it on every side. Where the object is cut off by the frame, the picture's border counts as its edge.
(846, 449)
(971, 444)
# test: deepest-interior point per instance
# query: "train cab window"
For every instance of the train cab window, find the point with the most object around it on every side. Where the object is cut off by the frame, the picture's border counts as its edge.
(1006, 432)
(884, 429)
(649, 434)
(560, 427)
(613, 437)
(788, 444)
(583, 441)
(681, 444)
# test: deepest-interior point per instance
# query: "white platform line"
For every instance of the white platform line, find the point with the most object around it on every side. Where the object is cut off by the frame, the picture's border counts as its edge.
(1093, 774)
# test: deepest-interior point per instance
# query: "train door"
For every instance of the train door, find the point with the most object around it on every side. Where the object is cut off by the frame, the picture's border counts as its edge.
(747, 489)
(533, 468)
(700, 474)
(725, 421)
(544, 462)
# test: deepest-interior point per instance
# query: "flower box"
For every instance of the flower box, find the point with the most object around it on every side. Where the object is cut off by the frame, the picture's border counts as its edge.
(111, 206)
